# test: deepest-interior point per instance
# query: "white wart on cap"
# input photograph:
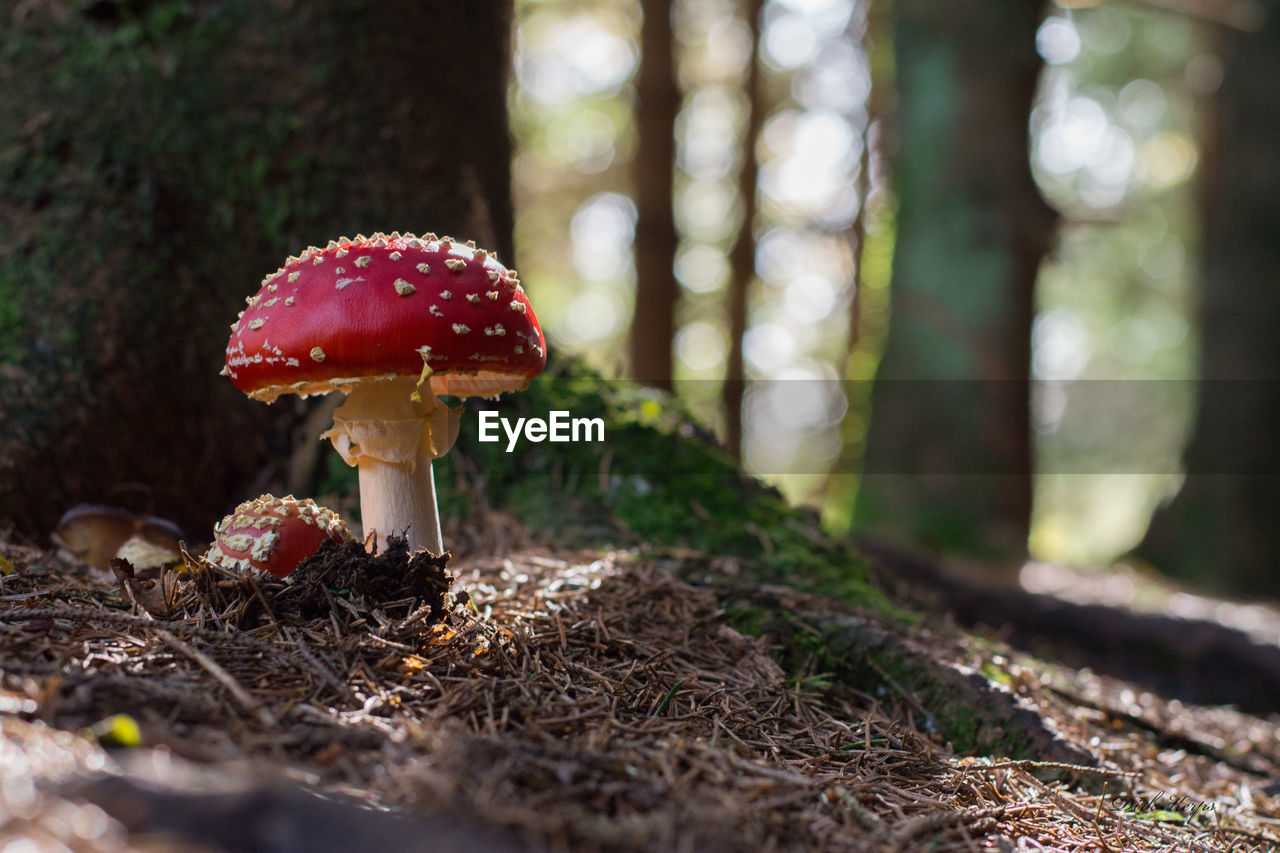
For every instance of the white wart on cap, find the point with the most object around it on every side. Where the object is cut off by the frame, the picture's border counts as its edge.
(372, 308)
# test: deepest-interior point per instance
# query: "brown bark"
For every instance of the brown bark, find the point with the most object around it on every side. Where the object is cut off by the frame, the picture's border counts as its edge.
(653, 325)
(742, 259)
(858, 239)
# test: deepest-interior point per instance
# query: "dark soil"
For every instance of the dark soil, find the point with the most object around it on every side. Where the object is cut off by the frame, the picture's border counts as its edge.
(392, 581)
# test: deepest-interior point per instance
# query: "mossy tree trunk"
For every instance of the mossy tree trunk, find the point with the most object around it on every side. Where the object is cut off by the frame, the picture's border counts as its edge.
(948, 458)
(157, 159)
(1221, 528)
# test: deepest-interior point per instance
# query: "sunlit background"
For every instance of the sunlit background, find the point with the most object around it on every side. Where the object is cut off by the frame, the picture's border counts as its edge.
(1113, 142)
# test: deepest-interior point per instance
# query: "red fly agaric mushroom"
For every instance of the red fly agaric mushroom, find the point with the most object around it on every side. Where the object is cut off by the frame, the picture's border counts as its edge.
(273, 534)
(393, 320)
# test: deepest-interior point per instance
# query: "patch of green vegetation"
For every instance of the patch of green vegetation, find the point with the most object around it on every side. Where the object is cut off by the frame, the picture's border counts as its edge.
(968, 728)
(799, 648)
(996, 674)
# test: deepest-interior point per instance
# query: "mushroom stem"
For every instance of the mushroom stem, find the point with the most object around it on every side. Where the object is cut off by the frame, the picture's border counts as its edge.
(397, 499)
(392, 435)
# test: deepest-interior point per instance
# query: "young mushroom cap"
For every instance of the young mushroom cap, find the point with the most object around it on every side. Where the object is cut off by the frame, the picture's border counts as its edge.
(374, 308)
(274, 535)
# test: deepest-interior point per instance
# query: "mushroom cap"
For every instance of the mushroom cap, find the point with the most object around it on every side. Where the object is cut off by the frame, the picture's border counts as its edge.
(96, 533)
(383, 306)
(273, 534)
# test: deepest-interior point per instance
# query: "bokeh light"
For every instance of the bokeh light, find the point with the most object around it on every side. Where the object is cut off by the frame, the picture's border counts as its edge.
(1112, 149)
(1111, 142)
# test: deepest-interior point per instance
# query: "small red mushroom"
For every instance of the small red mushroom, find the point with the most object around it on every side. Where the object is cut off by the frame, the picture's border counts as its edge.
(273, 534)
(393, 320)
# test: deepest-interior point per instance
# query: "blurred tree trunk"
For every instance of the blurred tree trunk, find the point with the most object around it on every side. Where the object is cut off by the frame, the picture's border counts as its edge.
(653, 325)
(158, 159)
(1221, 530)
(948, 460)
(742, 259)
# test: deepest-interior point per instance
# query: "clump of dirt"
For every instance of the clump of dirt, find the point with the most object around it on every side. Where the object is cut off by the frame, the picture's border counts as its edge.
(341, 583)
(393, 580)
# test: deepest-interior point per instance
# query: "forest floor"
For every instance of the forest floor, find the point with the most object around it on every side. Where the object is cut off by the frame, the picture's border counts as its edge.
(580, 700)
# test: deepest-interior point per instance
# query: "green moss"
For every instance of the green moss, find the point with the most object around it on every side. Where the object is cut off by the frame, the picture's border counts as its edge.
(996, 674)
(800, 651)
(755, 621)
(965, 726)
